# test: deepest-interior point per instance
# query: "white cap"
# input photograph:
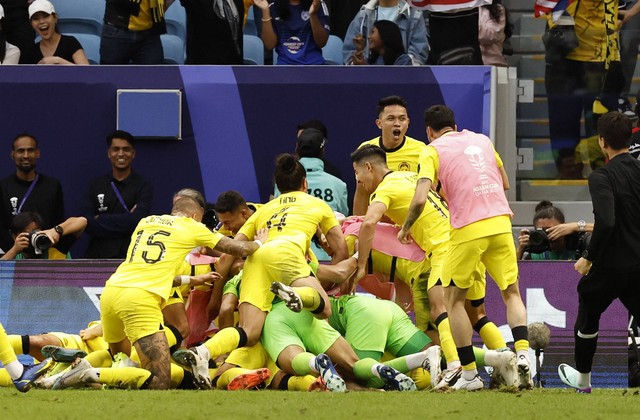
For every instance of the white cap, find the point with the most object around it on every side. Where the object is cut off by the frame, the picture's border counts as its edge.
(1, 12)
(41, 6)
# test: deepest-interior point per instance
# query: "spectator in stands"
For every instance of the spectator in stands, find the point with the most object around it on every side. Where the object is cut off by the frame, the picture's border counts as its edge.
(629, 43)
(588, 79)
(409, 19)
(297, 29)
(16, 23)
(564, 239)
(493, 29)
(385, 46)
(342, 13)
(131, 32)
(320, 184)
(9, 54)
(453, 32)
(28, 190)
(214, 31)
(53, 47)
(30, 242)
(634, 148)
(115, 203)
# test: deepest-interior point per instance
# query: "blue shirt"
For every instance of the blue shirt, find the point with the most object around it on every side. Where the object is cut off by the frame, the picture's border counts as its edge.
(295, 38)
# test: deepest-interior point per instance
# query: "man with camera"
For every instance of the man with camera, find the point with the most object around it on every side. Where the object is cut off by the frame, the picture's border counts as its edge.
(31, 242)
(552, 238)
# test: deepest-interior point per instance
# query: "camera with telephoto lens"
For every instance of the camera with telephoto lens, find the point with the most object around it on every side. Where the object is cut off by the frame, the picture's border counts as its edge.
(538, 241)
(39, 241)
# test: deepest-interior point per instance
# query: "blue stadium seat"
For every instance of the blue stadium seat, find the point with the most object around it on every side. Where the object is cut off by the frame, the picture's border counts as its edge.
(174, 49)
(176, 20)
(91, 46)
(253, 50)
(250, 27)
(80, 16)
(332, 52)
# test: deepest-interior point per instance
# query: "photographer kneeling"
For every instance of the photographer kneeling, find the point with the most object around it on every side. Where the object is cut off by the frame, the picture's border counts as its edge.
(51, 244)
(553, 239)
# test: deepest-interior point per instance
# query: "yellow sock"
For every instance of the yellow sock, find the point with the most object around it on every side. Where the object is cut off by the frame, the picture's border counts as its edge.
(491, 336)
(7, 355)
(310, 297)
(421, 377)
(16, 343)
(446, 341)
(99, 359)
(470, 366)
(521, 345)
(128, 377)
(177, 375)
(300, 383)
(134, 355)
(225, 341)
(228, 375)
(5, 379)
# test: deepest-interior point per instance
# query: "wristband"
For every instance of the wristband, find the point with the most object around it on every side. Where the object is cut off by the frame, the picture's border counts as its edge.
(581, 225)
(258, 241)
(266, 20)
(184, 280)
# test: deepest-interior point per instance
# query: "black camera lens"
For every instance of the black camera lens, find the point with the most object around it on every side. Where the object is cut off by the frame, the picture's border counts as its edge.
(538, 241)
(41, 241)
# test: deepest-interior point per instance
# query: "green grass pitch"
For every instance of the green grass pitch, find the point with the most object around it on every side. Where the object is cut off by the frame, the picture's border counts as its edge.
(278, 405)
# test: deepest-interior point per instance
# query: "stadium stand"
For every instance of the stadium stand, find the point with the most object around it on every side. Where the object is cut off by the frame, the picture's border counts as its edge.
(174, 49)
(90, 44)
(176, 20)
(253, 50)
(80, 16)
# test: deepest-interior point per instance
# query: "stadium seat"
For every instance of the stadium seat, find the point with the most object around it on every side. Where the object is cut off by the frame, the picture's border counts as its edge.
(250, 27)
(174, 49)
(80, 16)
(332, 52)
(176, 20)
(253, 50)
(91, 46)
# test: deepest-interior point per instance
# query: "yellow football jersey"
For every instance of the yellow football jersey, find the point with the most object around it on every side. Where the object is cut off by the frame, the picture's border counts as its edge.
(293, 216)
(396, 192)
(158, 247)
(404, 157)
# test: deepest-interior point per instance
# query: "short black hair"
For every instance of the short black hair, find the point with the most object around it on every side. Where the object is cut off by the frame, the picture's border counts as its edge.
(229, 202)
(438, 117)
(369, 152)
(615, 129)
(21, 135)
(20, 222)
(389, 101)
(121, 134)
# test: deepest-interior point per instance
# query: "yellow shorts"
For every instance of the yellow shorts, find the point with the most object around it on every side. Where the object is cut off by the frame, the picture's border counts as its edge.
(128, 312)
(437, 260)
(276, 260)
(496, 252)
(177, 295)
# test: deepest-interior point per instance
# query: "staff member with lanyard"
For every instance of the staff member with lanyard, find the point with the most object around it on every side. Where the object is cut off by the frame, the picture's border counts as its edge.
(28, 190)
(116, 202)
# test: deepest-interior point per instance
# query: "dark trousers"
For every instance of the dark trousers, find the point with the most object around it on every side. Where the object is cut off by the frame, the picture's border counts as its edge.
(596, 291)
(122, 46)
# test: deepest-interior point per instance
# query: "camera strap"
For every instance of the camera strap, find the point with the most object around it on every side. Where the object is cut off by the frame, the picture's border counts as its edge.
(115, 190)
(28, 193)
